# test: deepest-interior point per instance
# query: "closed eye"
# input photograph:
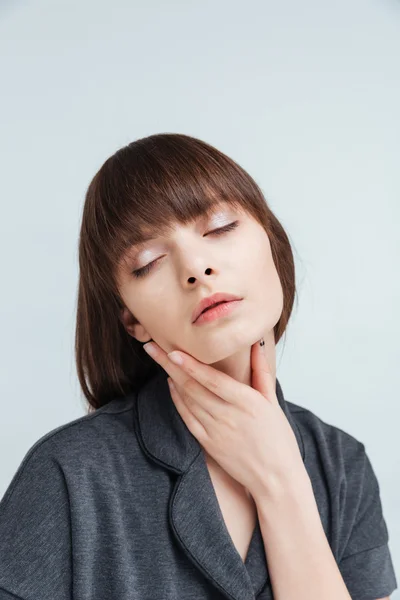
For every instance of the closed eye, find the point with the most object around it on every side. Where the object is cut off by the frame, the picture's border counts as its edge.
(221, 230)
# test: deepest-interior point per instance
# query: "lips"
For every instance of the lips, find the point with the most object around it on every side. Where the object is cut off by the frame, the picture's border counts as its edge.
(210, 301)
(212, 306)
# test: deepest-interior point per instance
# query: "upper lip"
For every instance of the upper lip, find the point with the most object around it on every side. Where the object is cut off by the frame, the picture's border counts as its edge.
(206, 302)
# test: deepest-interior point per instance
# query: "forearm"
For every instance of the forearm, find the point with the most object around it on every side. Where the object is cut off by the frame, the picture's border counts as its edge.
(300, 561)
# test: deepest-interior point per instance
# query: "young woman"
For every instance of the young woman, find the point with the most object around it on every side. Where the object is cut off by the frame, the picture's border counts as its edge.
(221, 488)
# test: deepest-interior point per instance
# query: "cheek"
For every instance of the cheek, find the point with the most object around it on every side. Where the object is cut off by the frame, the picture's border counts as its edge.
(270, 292)
(162, 318)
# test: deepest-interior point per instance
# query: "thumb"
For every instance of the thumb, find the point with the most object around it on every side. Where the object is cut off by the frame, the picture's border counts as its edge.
(261, 375)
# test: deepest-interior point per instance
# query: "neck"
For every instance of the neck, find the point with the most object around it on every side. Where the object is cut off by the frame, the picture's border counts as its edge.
(238, 366)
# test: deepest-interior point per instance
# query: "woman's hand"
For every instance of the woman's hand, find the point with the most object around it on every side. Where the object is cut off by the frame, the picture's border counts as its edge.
(243, 428)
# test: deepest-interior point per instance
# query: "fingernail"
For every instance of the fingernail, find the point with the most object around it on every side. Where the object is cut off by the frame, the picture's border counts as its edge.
(175, 357)
(150, 349)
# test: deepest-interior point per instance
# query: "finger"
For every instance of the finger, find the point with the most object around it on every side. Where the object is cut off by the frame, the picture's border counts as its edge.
(206, 406)
(189, 418)
(261, 377)
(161, 357)
(220, 384)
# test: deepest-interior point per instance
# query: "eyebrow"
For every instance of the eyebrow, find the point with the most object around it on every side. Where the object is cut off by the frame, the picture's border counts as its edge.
(144, 237)
(148, 237)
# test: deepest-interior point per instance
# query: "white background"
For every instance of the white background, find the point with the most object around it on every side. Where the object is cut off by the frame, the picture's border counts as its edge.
(304, 95)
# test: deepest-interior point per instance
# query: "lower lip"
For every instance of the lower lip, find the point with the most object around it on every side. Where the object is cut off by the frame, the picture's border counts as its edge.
(221, 310)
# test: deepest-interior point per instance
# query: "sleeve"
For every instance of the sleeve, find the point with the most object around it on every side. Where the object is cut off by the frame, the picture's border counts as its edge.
(366, 564)
(35, 532)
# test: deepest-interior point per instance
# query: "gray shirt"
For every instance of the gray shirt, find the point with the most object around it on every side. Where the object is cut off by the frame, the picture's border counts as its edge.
(119, 504)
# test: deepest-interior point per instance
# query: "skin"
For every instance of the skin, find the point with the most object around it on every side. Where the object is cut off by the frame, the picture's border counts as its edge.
(163, 300)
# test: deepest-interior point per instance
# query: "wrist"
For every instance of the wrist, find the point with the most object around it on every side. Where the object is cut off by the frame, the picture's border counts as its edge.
(278, 486)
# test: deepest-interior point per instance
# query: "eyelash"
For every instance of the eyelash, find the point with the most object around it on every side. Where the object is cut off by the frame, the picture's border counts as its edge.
(221, 230)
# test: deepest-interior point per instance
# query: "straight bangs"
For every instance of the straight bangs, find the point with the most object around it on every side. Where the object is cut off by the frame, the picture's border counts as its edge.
(147, 187)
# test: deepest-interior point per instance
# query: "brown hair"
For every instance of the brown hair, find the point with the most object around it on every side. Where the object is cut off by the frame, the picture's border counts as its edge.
(144, 188)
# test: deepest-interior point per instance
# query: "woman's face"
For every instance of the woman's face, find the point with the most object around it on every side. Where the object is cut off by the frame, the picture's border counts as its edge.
(238, 261)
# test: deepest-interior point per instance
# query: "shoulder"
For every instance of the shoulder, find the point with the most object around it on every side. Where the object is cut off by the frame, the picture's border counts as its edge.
(322, 431)
(36, 520)
(41, 475)
(337, 449)
(75, 439)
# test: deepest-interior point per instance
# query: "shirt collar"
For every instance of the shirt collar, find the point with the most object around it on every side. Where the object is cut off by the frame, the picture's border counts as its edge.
(195, 516)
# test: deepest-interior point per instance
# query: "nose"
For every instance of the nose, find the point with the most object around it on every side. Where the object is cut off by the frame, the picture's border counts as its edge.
(207, 272)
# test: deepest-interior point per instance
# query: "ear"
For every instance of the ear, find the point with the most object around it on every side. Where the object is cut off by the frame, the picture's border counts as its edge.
(132, 326)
